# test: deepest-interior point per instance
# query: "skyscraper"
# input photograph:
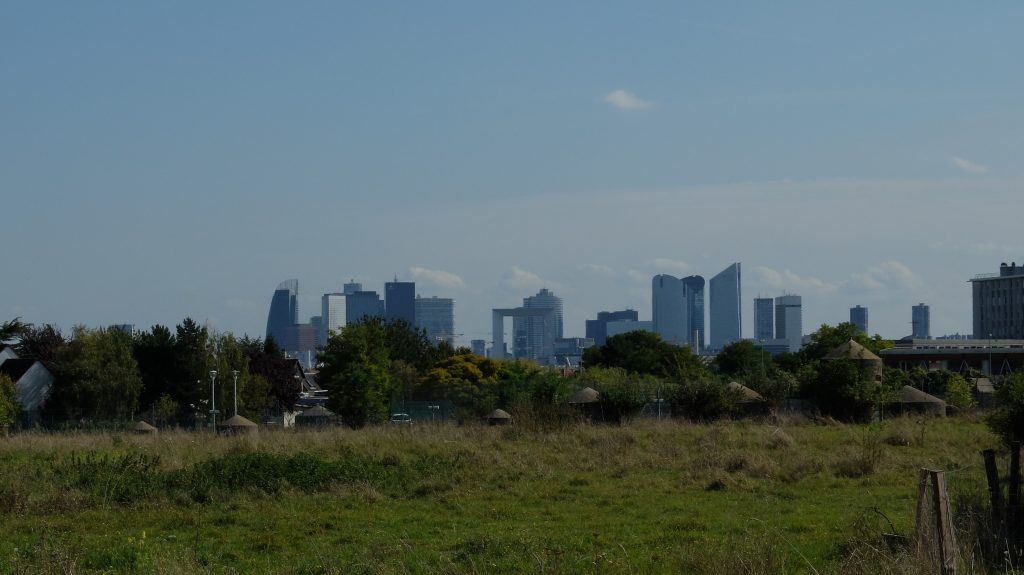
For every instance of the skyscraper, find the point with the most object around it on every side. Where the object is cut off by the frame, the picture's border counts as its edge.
(597, 329)
(351, 287)
(859, 318)
(789, 323)
(534, 335)
(436, 316)
(764, 326)
(998, 303)
(284, 311)
(333, 308)
(725, 291)
(695, 311)
(669, 309)
(400, 301)
(920, 320)
(362, 304)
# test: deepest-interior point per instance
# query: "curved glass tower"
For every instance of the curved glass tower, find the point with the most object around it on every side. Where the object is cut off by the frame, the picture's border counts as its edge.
(284, 311)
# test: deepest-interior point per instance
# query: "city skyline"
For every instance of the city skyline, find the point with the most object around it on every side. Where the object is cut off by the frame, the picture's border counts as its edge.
(159, 171)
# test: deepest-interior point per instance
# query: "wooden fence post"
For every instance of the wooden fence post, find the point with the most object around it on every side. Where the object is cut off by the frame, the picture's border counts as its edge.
(995, 492)
(1015, 529)
(943, 524)
(922, 498)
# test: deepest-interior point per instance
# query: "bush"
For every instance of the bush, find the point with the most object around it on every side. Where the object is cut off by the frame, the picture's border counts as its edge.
(705, 400)
(1007, 420)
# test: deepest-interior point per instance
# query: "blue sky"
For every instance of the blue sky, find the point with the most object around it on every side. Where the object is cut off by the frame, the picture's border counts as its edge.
(166, 160)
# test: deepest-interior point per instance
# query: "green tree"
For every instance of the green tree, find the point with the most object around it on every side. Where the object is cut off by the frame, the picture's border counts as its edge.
(9, 407)
(156, 353)
(623, 394)
(1007, 419)
(704, 400)
(12, 330)
(958, 392)
(468, 381)
(95, 377)
(354, 368)
(842, 388)
(644, 353)
(41, 343)
(829, 337)
(267, 361)
(743, 359)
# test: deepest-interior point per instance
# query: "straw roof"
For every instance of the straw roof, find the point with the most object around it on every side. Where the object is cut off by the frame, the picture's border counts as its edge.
(852, 350)
(984, 385)
(237, 421)
(747, 395)
(585, 395)
(913, 395)
(143, 427)
(317, 411)
(499, 414)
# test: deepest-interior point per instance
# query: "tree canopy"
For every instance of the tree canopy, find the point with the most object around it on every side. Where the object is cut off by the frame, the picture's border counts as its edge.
(645, 353)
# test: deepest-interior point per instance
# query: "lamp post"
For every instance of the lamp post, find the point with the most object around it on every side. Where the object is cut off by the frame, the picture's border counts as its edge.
(234, 372)
(213, 398)
(990, 355)
(433, 409)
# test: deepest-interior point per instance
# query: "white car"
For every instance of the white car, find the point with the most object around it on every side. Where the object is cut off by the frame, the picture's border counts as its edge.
(401, 419)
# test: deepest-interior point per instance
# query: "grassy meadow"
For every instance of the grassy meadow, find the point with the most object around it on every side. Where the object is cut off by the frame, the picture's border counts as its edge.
(646, 497)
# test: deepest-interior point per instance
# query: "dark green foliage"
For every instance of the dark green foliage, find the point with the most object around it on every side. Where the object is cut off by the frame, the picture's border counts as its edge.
(704, 400)
(267, 361)
(744, 359)
(41, 343)
(644, 353)
(112, 478)
(828, 338)
(842, 389)
(95, 377)
(9, 407)
(155, 352)
(354, 368)
(1007, 420)
(13, 330)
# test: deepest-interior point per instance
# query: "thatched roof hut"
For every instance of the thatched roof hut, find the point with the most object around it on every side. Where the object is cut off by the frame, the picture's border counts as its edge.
(747, 395)
(317, 416)
(143, 428)
(585, 395)
(984, 392)
(499, 417)
(238, 425)
(857, 352)
(913, 400)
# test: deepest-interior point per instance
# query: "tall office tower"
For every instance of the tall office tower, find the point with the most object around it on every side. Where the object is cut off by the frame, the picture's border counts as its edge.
(351, 287)
(998, 303)
(597, 329)
(478, 347)
(333, 314)
(789, 322)
(284, 311)
(764, 326)
(363, 304)
(725, 293)
(920, 320)
(436, 316)
(534, 335)
(300, 343)
(695, 310)
(859, 318)
(318, 327)
(669, 309)
(400, 301)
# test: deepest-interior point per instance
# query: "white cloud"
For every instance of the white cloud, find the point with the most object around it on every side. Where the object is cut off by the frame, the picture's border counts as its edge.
(598, 269)
(437, 277)
(670, 265)
(518, 278)
(969, 166)
(626, 100)
(890, 274)
(787, 280)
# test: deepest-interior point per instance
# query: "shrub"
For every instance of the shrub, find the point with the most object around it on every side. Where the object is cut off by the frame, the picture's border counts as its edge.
(1007, 420)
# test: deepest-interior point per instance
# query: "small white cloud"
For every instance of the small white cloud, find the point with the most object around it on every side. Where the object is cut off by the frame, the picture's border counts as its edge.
(626, 100)
(437, 277)
(787, 280)
(969, 166)
(669, 265)
(890, 274)
(518, 278)
(598, 269)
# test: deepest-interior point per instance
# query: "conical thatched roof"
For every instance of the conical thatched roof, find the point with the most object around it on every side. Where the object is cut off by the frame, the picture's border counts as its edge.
(913, 395)
(499, 414)
(317, 411)
(747, 395)
(852, 350)
(143, 427)
(585, 395)
(237, 421)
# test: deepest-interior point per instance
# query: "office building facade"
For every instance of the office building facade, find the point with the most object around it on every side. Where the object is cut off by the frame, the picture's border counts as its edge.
(764, 324)
(695, 311)
(859, 318)
(669, 309)
(284, 311)
(920, 321)
(789, 321)
(725, 291)
(597, 329)
(333, 315)
(534, 335)
(400, 301)
(363, 304)
(436, 316)
(998, 303)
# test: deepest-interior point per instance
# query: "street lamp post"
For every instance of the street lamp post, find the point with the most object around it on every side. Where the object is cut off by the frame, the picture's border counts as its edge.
(213, 398)
(990, 355)
(234, 372)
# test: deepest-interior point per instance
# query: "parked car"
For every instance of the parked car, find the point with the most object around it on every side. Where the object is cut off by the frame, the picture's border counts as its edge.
(401, 419)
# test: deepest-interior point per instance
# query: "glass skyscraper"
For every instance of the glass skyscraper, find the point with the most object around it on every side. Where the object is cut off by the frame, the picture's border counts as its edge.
(725, 292)
(764, 326)
(284, 312)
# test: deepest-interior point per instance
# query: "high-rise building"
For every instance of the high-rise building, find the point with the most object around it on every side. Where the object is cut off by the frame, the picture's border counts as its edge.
(400, 301)
(362, 304)
(998, 303)
(436, 316)
(300, 343)
(725, 293)
(333, 314)
(478, 347)
(534, 335)
(284, 311)
(597, 329)
(764, 325)
(621, 326)
(789, 323)
(351, 287)
(920, 321)
(859, 318)
(669, 309)
(695, 310)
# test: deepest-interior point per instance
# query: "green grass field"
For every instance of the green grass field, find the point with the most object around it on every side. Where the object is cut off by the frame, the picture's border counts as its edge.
(648, 497)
